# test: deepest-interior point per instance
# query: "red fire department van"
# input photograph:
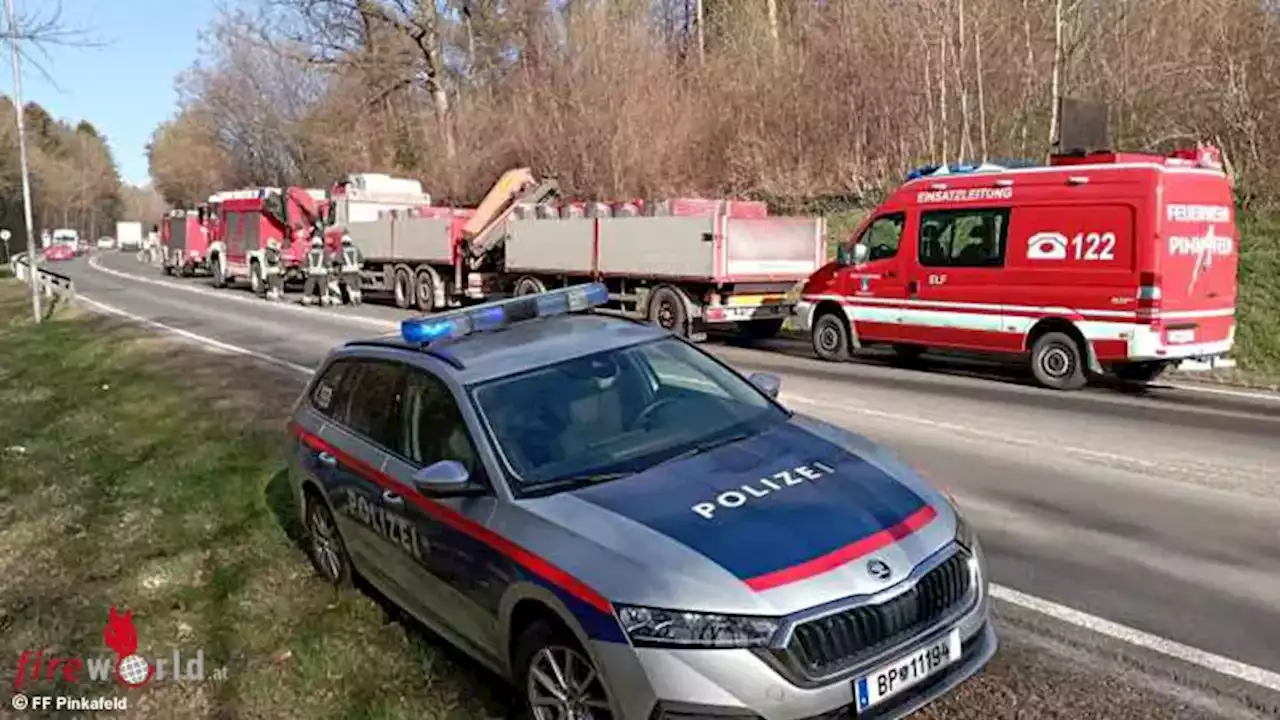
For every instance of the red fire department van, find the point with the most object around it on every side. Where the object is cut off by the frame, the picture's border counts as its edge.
(1106, 262)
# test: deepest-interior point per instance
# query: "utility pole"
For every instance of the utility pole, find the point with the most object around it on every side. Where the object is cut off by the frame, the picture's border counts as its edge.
(33, 257)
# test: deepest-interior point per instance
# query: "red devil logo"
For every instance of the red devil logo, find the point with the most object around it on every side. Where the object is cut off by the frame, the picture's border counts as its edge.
(132, 670)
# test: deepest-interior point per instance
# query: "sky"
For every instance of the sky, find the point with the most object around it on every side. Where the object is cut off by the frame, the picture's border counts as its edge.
(124, 85)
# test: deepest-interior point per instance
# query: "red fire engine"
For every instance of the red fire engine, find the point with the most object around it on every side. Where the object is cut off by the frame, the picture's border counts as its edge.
(184, 236)
(246, 220)
(1098, 262)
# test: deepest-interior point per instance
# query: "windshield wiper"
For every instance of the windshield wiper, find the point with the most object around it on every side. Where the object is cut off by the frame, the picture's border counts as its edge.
(706, 446)
(573, 481)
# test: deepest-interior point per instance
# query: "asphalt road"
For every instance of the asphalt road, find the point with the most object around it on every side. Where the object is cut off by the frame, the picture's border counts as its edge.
(1159, 511)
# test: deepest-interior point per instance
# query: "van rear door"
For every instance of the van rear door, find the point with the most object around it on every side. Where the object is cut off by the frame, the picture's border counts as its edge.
(1197, 255)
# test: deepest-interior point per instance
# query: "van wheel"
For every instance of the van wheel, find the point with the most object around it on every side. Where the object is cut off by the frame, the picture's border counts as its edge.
(1057, 363)
(1141, 372)
(403, 287)
(830, 337)
(555, 678)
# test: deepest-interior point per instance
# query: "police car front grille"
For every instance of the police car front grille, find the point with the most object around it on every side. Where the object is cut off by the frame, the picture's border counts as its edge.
(827, 645)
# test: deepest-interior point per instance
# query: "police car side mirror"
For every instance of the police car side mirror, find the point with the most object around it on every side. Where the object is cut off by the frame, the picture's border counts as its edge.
(766, 383)
(442, 478)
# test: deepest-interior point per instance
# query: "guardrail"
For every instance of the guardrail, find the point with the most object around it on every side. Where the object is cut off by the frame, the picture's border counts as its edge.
(51, 282)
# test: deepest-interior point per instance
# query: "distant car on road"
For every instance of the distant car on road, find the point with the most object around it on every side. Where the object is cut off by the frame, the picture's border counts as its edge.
(59, 252)
(626, 527)
(106, 242)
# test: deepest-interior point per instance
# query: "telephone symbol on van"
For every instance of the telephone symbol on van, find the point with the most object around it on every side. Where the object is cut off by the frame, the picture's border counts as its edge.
(1047, 246)
(1084, 246)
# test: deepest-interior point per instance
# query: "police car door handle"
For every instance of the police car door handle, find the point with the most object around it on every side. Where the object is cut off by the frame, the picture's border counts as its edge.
(327, 459)
(391, 498)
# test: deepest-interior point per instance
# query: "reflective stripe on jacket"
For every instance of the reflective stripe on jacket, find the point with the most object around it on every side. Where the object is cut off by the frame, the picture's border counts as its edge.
(315, 262)
(350, 260)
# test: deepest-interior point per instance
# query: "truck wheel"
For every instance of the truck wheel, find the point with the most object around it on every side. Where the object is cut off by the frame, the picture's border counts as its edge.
(219, 277)
(403, 286)
(1057, 363)
(666, 310)
(528, 286)
(426, 292)
(761, 329)
(1141, 372)
(830, 337)
(256, 282)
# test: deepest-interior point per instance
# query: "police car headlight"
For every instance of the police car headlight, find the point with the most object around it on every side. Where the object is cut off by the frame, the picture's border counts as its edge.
(653, 627)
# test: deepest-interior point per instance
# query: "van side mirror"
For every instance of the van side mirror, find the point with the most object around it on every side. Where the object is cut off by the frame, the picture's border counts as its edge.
(768, 384)
(855, 254)
(442, 478)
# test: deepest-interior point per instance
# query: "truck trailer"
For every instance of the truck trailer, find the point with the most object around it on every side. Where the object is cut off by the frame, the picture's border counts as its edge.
(685, 265)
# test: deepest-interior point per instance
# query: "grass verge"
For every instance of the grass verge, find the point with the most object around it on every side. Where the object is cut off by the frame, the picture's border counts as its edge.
(148, 475)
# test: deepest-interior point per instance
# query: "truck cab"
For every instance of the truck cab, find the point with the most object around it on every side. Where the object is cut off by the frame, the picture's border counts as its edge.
(1106, 262)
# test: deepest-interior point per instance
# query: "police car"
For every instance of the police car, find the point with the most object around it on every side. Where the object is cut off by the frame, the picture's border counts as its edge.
(624, 526)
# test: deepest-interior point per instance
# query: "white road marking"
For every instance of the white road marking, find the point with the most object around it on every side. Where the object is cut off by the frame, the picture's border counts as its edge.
(1192, 656)
(239, 297)
(1246, 394)
(202, 339)
(1132, 636)
(1003, 438)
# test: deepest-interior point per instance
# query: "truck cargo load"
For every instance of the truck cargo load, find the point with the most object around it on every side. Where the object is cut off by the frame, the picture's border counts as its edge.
(702, 264)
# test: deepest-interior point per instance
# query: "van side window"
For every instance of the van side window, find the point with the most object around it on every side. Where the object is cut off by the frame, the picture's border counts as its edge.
(964, 238)
(883, 236)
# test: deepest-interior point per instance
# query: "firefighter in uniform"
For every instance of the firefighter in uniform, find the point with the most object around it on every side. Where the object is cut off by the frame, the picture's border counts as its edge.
(350, 269)
(316, 288)
(335, 275)
(275, 273)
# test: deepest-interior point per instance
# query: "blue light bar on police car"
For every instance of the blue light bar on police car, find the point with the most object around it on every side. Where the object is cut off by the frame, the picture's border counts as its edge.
(502, 313)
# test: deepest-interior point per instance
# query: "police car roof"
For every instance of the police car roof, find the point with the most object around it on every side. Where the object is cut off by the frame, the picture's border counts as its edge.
(526, 345)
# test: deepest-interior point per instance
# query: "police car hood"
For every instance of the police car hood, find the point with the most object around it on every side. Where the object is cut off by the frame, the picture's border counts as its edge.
(781, 521)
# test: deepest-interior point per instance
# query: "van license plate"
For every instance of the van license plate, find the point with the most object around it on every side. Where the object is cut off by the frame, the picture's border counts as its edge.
(1181, 336)
(892, 678)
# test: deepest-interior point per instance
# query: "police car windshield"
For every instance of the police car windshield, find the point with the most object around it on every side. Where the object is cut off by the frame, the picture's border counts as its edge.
(618, 412)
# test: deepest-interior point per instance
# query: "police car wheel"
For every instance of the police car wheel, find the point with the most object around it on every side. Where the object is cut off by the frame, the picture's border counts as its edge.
(831, 337)
(556, 678)
(1057, 363)
(328, 552)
